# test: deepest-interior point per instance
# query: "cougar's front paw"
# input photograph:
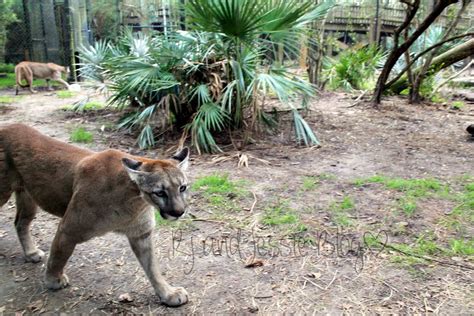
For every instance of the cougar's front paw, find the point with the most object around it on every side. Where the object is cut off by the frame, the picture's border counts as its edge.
(35, 256)
(175, 297)
(55, 283)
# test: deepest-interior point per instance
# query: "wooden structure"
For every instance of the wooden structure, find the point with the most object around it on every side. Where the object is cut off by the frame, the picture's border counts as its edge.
(378, 18)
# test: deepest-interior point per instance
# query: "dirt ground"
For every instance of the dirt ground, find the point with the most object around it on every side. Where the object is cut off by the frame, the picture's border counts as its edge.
(231, 261)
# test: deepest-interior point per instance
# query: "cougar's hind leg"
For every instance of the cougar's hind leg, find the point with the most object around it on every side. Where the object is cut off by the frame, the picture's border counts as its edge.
(48, 85)
(25, 212)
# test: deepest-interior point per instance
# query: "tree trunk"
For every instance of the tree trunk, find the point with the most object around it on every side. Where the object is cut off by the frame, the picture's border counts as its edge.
(399, 50)
(415, 96)
(442, 61)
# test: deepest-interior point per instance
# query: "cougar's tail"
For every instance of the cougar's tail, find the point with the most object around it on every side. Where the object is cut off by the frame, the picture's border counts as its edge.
(18, 76)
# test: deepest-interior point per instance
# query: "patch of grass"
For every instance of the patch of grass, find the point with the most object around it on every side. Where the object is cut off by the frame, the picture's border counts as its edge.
(220, 191)
(340, 211)
(80, 135)
(309, 183)
(82, 106)
(216, 183)
(64, 94)
(413, 189)
(457, 105)
(6, 100)
(408, 205)
(279, 214)
(463, 213)
(10, 82)
(462, 246)
(426, 246)
(438, 99)
(373, 179)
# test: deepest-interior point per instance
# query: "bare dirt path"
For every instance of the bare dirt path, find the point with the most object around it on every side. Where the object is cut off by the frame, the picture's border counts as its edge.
(320, 195)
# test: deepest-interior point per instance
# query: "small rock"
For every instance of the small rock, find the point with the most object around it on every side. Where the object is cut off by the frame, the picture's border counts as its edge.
(125, 298)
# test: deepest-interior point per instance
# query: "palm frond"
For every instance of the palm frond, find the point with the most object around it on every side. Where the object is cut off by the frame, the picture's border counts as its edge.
(304, 133)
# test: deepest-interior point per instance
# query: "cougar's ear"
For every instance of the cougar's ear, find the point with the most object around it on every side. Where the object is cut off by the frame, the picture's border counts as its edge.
(183, 158)
(132, 167)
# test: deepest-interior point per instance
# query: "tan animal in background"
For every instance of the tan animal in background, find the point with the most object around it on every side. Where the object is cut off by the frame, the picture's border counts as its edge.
(27, 70)
(94, 193)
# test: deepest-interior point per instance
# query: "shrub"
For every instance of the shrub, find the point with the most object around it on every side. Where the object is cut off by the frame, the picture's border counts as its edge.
(354, 69)
(212, 80)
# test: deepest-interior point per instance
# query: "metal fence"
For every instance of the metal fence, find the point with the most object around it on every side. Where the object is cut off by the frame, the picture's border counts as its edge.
(47, 31)
(53, 30)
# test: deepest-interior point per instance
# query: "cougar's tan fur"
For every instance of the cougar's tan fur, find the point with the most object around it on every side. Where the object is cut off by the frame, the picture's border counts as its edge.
(93, 193)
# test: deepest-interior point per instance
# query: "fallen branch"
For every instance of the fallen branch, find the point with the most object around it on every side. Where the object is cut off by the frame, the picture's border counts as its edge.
(359, 98)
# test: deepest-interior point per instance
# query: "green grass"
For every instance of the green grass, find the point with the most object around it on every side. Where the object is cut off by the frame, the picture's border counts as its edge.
(438, 99)
(80, 135)
(413, 189)
(340, 211)
(82, 106)
(416, 187)
(310, 183)
(462, 214)
(219, 191)
(457, 105)
(280, 215)
(462, 246)
(10, 82)
(408, 205)
(6, 100)
(65, 94)
(427, 245)
(216, 183)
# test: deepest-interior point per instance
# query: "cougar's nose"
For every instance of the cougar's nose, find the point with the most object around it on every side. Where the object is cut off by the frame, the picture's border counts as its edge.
(178, 213)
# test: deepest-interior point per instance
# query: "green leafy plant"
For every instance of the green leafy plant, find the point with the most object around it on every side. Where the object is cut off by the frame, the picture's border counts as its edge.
(214, 79)
(7, 68)
(354, 69)
(80, 135)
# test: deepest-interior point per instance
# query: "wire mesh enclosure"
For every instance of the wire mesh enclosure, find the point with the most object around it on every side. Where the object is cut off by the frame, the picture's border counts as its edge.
(48, 31)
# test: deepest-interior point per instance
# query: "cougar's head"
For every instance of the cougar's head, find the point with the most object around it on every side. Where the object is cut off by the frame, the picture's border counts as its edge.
(162, 182)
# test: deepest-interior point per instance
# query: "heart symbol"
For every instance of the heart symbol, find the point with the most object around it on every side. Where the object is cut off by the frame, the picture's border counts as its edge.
(368, 243)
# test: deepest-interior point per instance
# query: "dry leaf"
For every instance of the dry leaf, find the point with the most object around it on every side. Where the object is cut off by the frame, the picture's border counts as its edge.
(35, 306)
(252, 263)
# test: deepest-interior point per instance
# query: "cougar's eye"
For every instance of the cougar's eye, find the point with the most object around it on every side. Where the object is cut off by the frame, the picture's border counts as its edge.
(182, 188)
(160, 194)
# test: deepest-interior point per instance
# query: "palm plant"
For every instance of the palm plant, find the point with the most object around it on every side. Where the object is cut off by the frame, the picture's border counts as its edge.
(354, 69)
(216, 78)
